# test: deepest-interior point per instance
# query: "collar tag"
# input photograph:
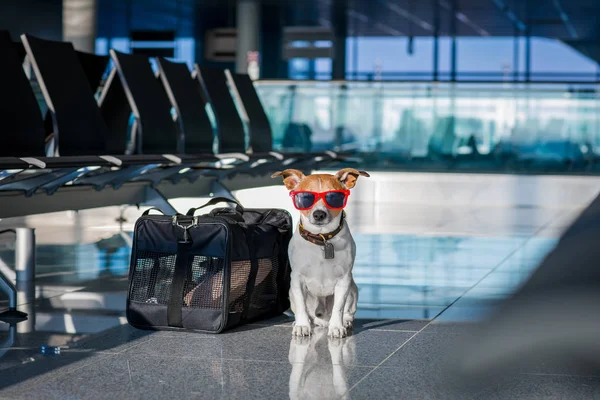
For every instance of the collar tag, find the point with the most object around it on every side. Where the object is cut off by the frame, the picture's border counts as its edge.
(329, 251)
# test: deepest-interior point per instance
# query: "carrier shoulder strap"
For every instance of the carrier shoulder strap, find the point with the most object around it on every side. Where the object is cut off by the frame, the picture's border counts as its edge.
(174, 308)
(153, 209)
(217, 200)
(250, 237)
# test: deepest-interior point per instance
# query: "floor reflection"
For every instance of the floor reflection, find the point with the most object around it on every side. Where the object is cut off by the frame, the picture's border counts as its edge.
(319, 366)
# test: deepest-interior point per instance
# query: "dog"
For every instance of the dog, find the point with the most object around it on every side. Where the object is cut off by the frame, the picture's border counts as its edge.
(322, 252)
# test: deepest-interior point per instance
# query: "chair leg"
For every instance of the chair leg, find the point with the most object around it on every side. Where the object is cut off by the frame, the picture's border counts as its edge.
(25, 272)
(155, 198)
(220, 190)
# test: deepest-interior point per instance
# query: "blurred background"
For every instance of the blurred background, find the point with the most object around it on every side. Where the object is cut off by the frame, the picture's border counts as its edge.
(479, 122)
(498, 85)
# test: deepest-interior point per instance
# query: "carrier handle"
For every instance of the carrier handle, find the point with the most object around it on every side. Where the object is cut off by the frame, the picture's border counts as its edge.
(153, 208)
(216, 200)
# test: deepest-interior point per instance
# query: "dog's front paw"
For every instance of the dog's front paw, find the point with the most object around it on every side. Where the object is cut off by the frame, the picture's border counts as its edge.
(348, 321)
(301, 330)
(337, 331)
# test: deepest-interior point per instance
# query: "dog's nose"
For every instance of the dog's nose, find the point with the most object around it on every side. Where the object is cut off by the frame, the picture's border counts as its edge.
(319, 215)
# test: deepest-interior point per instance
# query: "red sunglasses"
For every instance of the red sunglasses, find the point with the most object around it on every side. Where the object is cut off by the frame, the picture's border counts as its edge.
(333, 199)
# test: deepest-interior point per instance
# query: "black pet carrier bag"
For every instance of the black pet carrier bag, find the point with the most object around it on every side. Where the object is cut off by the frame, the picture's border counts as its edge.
(209, 272)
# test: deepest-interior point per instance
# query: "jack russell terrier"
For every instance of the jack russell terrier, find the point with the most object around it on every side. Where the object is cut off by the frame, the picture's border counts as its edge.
(322, 252)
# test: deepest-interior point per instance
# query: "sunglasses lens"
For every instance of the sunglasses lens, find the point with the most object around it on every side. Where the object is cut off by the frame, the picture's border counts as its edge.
(304, 200)
(335, 199)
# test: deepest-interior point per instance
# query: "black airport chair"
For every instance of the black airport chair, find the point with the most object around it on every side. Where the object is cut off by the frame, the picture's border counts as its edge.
(22, 127)
(154, 127)
(23, 160)
(79, 126)
(94, 67)
(189, 101)
(216, 87)
(260, 127)
(190, 108)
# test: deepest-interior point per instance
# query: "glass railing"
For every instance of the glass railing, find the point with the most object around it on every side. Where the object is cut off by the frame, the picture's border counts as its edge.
(505, 127)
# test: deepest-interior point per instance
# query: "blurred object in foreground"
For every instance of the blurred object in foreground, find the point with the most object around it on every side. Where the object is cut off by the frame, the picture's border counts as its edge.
(552, 324)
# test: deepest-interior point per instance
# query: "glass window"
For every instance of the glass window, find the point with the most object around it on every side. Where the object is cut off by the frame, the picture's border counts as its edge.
(389, 56)
(299, 68)
(444, 60)
(323, 43)
(185, 50)
(554, 60)
(101, 46)
(120, 44)
(351, 57)
(323, 68)
(484, 58)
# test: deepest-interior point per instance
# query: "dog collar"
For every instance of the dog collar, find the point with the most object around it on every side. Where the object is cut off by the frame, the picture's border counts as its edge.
(322, 238)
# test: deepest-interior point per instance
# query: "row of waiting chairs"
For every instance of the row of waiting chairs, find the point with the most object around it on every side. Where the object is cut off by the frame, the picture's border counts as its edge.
(80, 132)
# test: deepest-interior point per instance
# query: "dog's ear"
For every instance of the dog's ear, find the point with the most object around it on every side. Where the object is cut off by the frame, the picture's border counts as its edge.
(348, 176)
(291, 177)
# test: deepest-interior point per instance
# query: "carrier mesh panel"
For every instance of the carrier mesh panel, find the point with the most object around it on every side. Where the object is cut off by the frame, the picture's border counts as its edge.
(240, 271)
(203, 287)
(152, 277)
(264, 294)
(265, 286)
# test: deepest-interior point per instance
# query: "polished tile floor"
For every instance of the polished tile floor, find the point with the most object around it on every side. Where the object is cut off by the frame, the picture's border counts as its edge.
(422, 279)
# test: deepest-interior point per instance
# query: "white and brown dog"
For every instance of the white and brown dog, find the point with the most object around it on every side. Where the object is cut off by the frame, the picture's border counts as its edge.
(322, 252)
